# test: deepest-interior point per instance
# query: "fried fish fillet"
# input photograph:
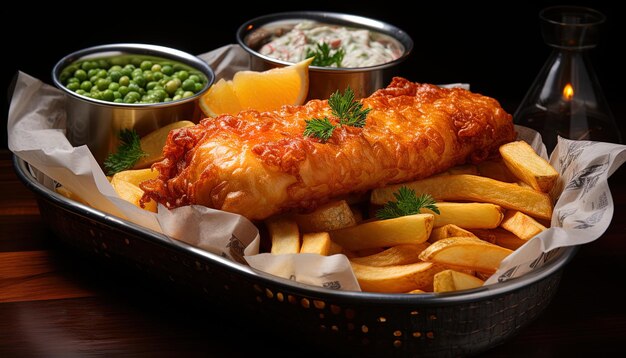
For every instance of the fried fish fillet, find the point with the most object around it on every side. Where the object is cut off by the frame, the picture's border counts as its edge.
(259, 163)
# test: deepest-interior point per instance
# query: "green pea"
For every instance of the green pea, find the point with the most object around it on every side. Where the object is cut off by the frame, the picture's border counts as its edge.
(86, 85)
(146, 65)
(117, 94)
(92, 72)
(189, 85)
(151, 85)
(94, 89)
(80, 92)
(177, 97)
(123, 90)
(96, 95)
(94, 79)
(167, 99)
(183, 75)
(156, 68)
(86, 66)
(87, 94)
(102, 73)
(118, 100)
(102, 84)
(81, 75)
(195, 78)
(137, 72)
(73, 80)
(160, 94)
(167, 70)
(113, 86)
(133, 86)
(198, 87)
(148, 75)
(124, 81)
(179, 91)
(108, 95)
(172, 85)
(114, 68)
(188, 94)
(73, 86)
(140, 81)
(157, 76)
(115, 75)
(126, 71)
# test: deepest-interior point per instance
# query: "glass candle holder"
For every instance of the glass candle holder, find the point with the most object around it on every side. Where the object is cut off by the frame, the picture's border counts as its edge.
(566, 98)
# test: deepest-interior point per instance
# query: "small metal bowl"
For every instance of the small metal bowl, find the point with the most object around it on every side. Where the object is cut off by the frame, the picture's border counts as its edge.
(323, 81)
(97, 123)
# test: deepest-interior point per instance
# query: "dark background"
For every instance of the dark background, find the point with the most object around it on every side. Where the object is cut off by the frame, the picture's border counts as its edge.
(496, 48)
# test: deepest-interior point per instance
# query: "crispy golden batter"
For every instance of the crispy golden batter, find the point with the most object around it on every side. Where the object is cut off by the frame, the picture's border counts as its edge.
(259, 164)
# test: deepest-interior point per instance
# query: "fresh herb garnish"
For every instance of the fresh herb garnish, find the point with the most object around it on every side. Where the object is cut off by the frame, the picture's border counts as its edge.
(320, 128)
(323, 57)
(345, 108)
(128, 153)
(349, 111)
(407, 203)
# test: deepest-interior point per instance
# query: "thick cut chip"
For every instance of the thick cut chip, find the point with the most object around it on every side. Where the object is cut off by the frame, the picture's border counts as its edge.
(528, 166)
(468, 215)
(284, 234)
(397, 255)
(316, 243)
(466, 252)
(450, 280)
(331, 216)
(446, 231)
(474, 188)
(410, 229)
(522, 225)
(396, 279)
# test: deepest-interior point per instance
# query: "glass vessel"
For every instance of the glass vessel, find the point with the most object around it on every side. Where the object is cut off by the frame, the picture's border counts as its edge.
(566, 99)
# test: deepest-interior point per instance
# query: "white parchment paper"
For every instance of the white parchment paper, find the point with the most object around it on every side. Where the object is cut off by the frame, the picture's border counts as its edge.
(36, 132)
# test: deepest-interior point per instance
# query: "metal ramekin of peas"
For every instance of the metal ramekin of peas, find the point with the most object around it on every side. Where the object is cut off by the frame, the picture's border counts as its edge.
(132, 79)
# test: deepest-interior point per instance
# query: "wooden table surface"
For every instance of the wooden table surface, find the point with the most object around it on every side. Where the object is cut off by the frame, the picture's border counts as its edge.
(57, 303)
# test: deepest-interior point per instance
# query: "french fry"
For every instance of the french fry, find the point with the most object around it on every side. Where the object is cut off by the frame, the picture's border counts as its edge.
(131, 193)
(522, 225)
(468, 215)
(446, 231)
(528, 166)
(500, 237)
(316, 243)
(450, 280)
(496, 169)
(474, 188)
(466, 252)
(136, 176)
(410, 229)
(397, 255)
(152, 144)
(396, 279)
(284, 235)
(331, 216)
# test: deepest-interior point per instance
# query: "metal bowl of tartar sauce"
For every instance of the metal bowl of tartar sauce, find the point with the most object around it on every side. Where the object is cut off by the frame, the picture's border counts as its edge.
(353, 51)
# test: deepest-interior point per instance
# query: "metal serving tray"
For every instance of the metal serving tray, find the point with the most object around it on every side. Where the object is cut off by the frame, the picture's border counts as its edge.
(367, 324)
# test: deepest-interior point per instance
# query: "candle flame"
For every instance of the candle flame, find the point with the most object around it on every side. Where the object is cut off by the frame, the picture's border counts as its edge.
(568, 92)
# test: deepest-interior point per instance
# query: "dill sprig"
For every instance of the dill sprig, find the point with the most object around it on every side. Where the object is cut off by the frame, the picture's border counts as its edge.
(128, 153)
(322, 56)
(407, 203)
(345, 108)
(349, 111)
(320, 128)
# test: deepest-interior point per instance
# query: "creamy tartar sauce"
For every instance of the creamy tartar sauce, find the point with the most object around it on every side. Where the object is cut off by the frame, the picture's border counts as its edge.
(360, 47)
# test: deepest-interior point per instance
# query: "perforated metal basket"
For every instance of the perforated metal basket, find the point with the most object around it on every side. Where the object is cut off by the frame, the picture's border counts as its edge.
(361, 324)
